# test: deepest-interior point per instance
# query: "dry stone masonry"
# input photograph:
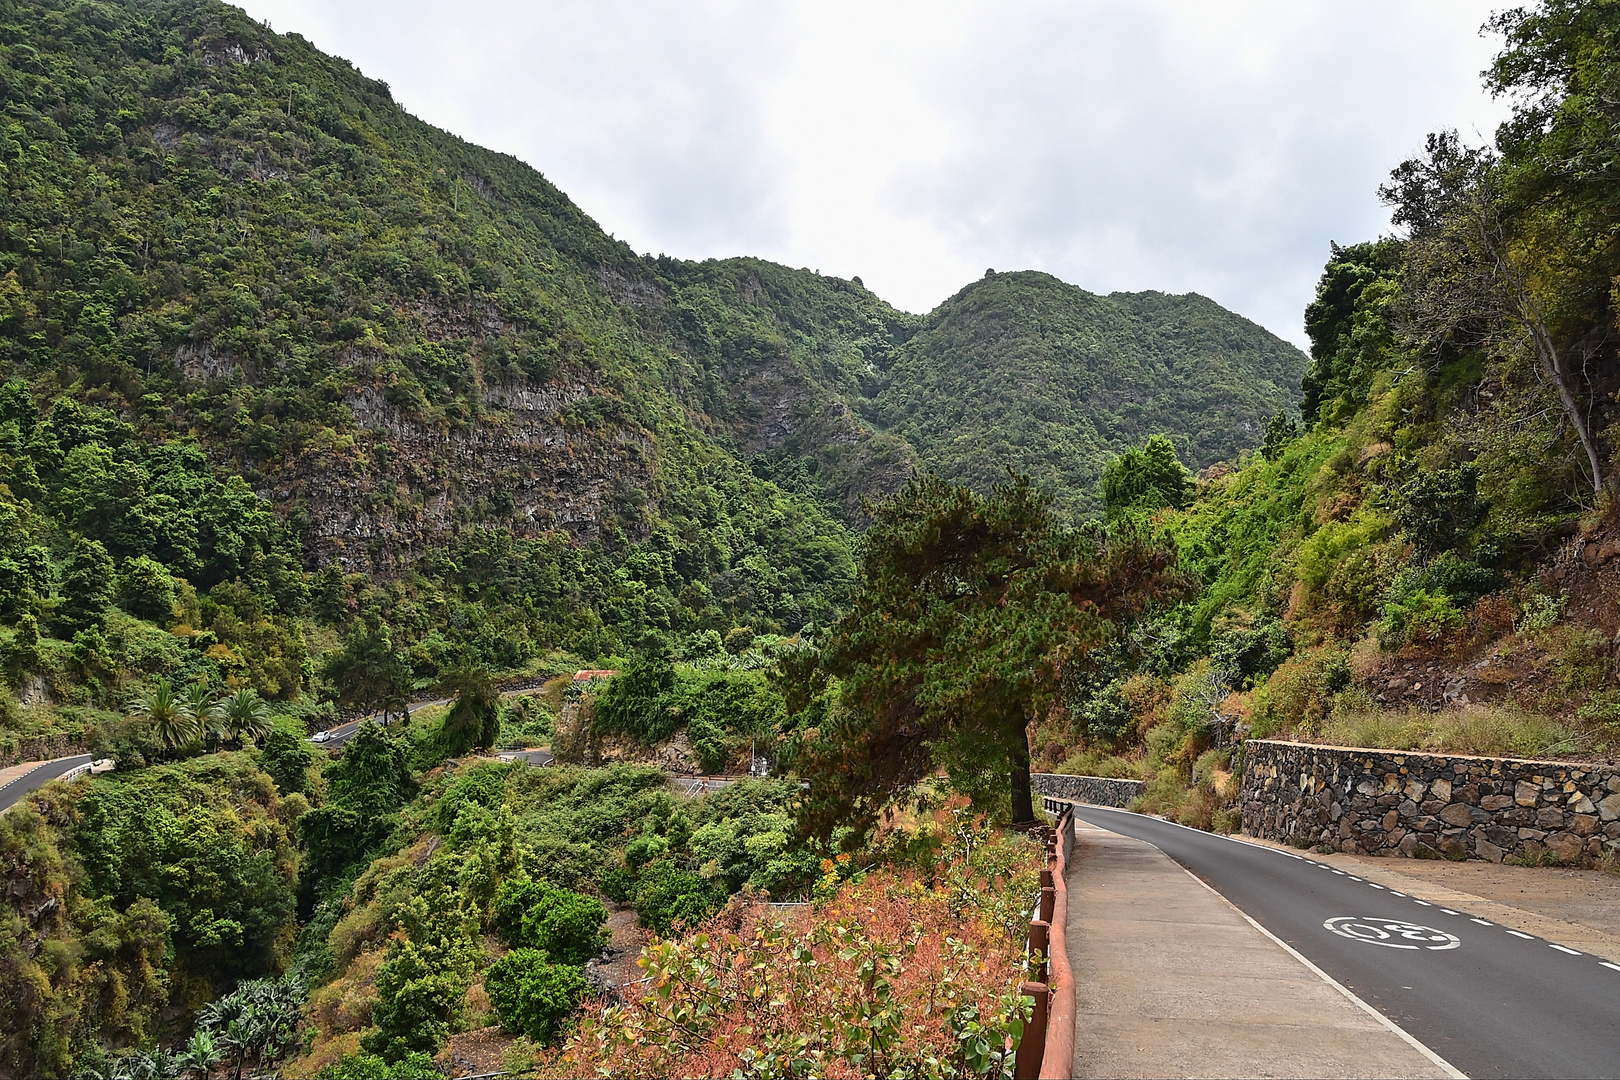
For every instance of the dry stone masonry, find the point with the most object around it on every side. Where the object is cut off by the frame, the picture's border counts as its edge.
(1385, 802)
(1096, 790)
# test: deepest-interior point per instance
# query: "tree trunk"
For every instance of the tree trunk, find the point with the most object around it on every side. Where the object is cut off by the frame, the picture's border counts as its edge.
(1023, 806)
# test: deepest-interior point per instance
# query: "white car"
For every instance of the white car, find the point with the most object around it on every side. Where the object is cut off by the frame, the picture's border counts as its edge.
(320, 736)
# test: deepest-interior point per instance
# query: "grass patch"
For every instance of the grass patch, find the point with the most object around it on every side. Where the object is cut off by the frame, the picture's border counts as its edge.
(1485, 730)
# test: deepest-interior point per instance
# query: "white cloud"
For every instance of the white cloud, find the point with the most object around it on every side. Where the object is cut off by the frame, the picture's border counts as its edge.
(1119, 145)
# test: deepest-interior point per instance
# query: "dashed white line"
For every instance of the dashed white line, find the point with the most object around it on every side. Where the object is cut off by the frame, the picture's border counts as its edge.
(1448, 911)
(1375, 884)
(1611, 967)
(1392, 892)
(1482, 922)
(1527, 937)
(1341, 873)
(1425, 903)
(1353, 877)
(1563, 949)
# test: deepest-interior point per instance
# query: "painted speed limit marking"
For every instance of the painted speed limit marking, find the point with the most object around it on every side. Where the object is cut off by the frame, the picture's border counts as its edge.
(1391, 933)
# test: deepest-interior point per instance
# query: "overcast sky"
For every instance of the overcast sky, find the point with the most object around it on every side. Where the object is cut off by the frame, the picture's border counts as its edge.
(1206, 147)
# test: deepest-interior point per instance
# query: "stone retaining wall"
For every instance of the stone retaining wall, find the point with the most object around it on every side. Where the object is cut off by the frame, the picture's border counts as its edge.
(1385, 802)
(1096, 790)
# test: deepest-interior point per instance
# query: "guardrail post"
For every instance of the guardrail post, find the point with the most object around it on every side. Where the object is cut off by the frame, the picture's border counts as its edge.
(1032, 1047)
(1040, 943)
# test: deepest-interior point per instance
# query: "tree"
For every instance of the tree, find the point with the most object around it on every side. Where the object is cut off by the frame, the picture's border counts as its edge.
(146, 591)
(1471, 271)
(967, 614)
(369, 673)
(474, 719)
(1149, 477)
(87, 586)
(167, 712)
(244, 716)
(207, 715)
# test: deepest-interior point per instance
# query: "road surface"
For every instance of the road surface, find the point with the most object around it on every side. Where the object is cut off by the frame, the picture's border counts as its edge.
(37, 778)
(342, 733)
(1494, 1002)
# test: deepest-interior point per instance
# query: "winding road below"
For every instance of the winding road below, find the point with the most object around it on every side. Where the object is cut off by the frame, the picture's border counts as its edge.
(1492, 1001)
(38, 777)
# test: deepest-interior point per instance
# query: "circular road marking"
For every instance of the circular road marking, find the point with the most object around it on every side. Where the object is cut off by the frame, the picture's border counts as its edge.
(1391, 933)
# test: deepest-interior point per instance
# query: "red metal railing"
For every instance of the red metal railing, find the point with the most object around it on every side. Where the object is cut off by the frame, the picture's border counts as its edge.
(1046, 1051)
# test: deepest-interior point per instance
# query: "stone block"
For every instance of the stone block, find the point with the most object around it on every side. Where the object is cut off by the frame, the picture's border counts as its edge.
(1532, 834)
(1612, 830)
(1389, 821)
(1613, 783)
(1580, 804)
(1407, 808)
(1461, 814)
(1502, 837)
(1396, 837)
(1609, 808)
(1453, 848)
(1526, 794)
(1441, 790)
(1583, 824)
(1408, 844)
(1549, 817)
(1425, 824)
(1495, 802)
(1567, 847)
(1414, 789)
(1488, 851)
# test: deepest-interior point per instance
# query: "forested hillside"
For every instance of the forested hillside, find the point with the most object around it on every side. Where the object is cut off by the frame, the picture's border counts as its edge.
(1023, 371)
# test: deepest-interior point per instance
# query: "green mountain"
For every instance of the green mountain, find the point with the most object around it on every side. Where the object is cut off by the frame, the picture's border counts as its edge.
(1022, 370)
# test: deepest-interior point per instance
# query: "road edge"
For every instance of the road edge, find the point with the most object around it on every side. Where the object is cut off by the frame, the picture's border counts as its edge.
(1434, 1059)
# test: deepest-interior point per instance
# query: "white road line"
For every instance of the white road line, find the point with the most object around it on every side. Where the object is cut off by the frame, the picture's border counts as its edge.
(1439, 1062)
(1611, 967)
(1353, 877)
(1520, 933)
(1341, 873)
(1482, 922)
(1562, 948)
(1448, 911)
(1375, 884)
(1392, 892)
(1425, 903)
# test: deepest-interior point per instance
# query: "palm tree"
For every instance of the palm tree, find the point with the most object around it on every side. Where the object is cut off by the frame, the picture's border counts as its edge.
(206, 714)
(244, 716)
(168, 713)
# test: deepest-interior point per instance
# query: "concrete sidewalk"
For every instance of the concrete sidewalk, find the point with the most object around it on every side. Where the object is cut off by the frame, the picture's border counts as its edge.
(1171, 981)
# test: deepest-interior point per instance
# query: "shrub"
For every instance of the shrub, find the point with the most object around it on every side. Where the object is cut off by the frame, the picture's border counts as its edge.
(537, 915)
(533, 996)
(1300, 692)
(417, 1066)
(666, 895)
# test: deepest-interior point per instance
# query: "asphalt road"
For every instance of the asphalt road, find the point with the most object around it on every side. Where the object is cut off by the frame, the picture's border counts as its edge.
(1492, 1001)
(342, 733)
(38, 778)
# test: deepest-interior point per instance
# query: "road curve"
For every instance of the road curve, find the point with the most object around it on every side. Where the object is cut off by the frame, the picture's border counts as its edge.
(38, 777)
(1494, 1002)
